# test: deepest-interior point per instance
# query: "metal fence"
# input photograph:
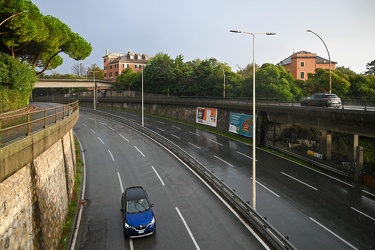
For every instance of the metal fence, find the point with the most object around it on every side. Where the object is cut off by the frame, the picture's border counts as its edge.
(27, 121)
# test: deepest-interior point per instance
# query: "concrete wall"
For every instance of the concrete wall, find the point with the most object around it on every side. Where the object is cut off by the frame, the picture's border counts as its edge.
(34, 199)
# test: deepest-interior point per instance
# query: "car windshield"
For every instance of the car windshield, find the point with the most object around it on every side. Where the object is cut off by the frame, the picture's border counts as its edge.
(332, 96)
(137, 206)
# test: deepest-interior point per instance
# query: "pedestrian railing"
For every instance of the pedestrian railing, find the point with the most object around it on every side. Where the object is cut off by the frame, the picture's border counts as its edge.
(27, 121)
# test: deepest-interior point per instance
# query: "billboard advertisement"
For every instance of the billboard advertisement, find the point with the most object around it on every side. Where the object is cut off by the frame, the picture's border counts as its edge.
(241, 124)
(207, 116)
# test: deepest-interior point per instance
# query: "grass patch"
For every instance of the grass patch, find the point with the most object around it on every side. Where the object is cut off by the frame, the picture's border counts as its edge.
(73, 201)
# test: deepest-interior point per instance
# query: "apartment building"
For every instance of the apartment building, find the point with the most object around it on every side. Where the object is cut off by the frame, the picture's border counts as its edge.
(115, 63)
(301, 63)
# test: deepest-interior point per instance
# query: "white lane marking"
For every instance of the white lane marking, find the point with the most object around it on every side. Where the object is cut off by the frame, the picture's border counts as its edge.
(368, 216)
(93, 131)
(299, 181)
(368, 193)
(278, 196)
(82, 195)
(90, 118)
(175, 136)
(215, 142)
(113, 159)
(119, 179)
(223, 161)
(139, 151)
(160, 129)
(131, 244)
(84, 124)
(111, 128)
(245, 155)
(193, 133)
(188, 229)
(333, 233)
(176, 127)
(102, 123)
(194, 145)
(160, 122)
(123, 137)
(158, 175)
(100, 140)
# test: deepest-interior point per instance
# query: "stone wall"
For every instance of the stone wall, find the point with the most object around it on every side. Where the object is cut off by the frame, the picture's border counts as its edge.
(34, 200)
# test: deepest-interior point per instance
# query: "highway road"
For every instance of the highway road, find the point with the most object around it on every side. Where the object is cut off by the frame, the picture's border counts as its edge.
(188, 213)
(313, 210)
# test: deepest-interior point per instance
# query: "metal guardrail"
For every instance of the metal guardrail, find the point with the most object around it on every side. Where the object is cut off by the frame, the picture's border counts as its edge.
(25, 123)
(310, 161)
(274, 238)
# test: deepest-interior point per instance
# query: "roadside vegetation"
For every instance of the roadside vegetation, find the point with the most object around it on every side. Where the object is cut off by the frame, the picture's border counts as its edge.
(73, 200)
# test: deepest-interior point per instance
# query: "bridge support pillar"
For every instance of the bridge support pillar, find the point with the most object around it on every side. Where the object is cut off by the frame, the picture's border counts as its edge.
(358, 166)
(353, 144)
(327, 144)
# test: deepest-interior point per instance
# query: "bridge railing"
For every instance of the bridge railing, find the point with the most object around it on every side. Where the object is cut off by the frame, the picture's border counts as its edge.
(25, 122)
(264, 228)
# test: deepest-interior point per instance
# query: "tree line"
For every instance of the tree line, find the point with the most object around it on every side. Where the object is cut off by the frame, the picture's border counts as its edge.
(168, 76)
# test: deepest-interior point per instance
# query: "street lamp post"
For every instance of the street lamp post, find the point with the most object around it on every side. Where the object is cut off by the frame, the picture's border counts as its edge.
(254, 114)
(94, 91)
(329, 59)
(143, 115)
(224, 80)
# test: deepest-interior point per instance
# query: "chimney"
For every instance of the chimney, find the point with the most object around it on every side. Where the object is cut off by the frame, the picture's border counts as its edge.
(106, 52)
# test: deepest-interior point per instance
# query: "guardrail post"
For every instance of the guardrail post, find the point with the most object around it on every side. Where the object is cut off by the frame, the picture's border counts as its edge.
(56, 116)
(63, 113)
(28, 125)
(45, 119)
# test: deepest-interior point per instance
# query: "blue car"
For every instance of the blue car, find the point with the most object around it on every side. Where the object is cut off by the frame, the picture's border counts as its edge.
(138, 217)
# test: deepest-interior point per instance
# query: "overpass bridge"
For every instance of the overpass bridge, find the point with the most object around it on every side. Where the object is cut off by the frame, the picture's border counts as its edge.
(73, 83)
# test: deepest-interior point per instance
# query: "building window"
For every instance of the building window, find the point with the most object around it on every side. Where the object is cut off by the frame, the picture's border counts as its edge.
(135, 66)
(110, 66)
(302, 64)
(110, 74)
(115, 66)
(105, 74)
(127, 65)
(116, 73)
(105, 60)
(302, 74)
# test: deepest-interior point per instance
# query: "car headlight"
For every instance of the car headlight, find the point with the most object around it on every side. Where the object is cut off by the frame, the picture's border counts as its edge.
(127, 225)
(152, 221)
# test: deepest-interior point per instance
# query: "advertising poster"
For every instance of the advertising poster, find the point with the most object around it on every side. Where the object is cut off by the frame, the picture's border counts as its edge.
(241, 124)
(207, 116)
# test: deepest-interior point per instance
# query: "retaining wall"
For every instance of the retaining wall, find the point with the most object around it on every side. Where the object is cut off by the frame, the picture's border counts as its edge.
(34, 198)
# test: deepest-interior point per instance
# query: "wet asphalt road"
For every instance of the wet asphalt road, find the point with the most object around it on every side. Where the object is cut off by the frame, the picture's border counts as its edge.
(188, 214)
(315, 211)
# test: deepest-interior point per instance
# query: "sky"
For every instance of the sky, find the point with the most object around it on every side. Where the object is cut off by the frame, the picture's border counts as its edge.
(200, 29)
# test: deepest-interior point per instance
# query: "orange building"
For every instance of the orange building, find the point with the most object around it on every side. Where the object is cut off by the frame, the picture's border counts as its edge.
(115, 63)
(300, 64)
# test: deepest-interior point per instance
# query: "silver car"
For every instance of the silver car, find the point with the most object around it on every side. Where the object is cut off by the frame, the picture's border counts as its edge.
(322, 100)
